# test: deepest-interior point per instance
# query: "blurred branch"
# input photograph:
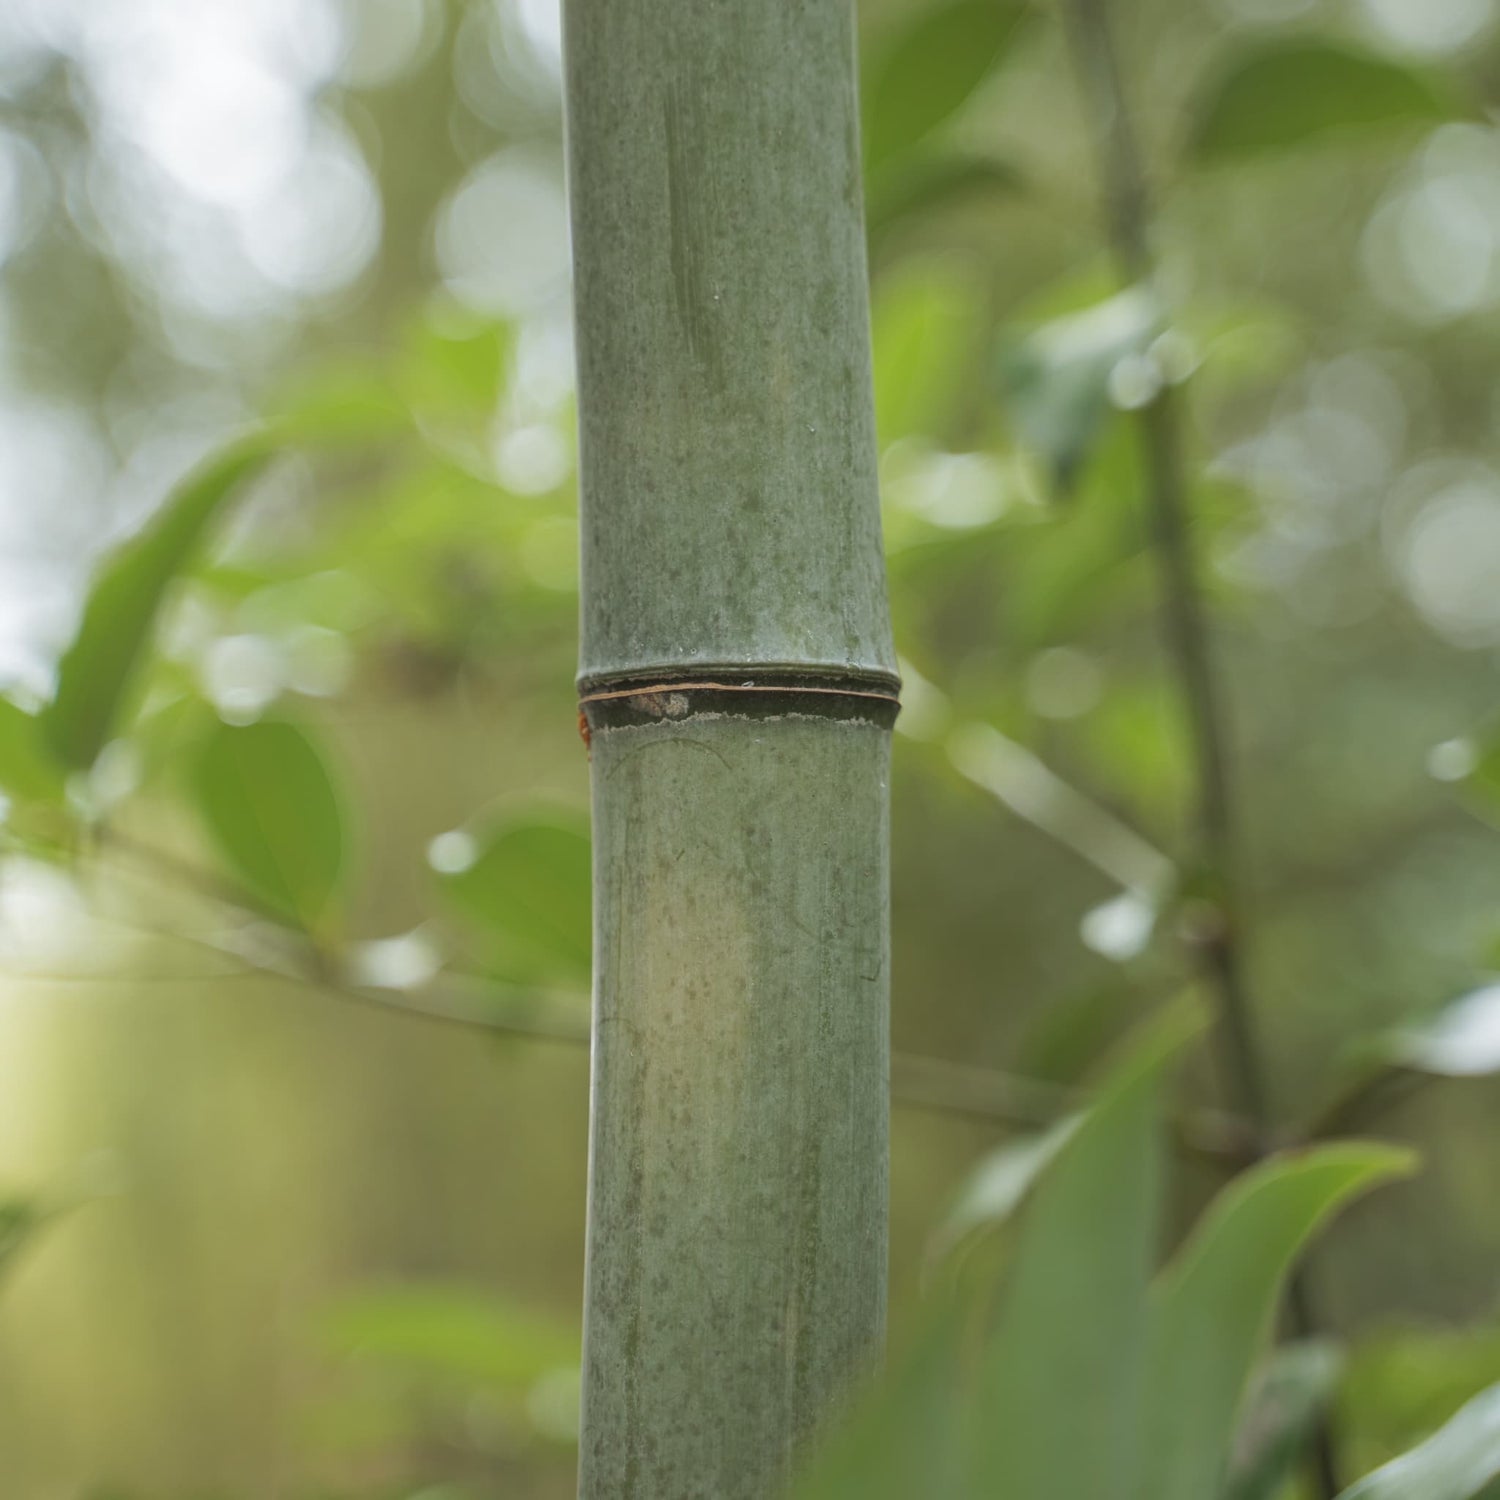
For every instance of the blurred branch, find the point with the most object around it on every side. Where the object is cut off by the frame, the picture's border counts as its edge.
(1218, 933)
(1015, 777)
(944, 1087)
(1366, 1098)
(917, 1082)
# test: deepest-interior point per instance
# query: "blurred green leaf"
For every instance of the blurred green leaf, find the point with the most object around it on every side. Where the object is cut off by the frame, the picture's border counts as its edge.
(1213, 1307)
(904, 1437)
(1057, 1405)
(99, 669)
(1056, 379)
(1460, 1461)
(452, 1332)
(20, 1218)
(1402, 1383)
(995, 1189)
(1461, 1040)
(27, 770)
(1286, 94)
(923, 325)
(452, 373)
(1480, 784)
(914, 189)
(1286, 1402)
(932, 67)
(270, 801)
(343, 402)
(528, 884)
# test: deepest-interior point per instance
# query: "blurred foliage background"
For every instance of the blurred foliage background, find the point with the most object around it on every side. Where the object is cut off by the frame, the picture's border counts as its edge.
(293, 1101)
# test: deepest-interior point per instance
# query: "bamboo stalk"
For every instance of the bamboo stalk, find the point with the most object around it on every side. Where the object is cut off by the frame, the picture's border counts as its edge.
(730, 536)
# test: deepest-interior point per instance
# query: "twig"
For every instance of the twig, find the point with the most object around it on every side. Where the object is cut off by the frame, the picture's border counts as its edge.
(1217, 937)
(943, 1087)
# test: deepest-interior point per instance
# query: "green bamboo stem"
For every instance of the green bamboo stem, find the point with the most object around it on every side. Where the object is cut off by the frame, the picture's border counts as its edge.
(730, 535)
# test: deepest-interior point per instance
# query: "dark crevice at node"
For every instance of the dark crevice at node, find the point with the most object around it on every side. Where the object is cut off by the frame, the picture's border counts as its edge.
(676, 697)
(843, 679)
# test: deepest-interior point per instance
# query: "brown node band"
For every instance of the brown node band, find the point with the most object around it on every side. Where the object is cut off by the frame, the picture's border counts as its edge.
(735, 687)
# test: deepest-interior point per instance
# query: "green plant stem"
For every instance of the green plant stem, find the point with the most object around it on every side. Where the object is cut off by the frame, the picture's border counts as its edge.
(1218, 932)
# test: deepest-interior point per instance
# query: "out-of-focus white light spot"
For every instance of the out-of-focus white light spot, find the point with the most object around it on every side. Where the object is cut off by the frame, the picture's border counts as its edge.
(1134, 382)
(925, 711)
(189, 626)
(1452, 760)
(544, 369)
(1176, 355)
(113, 777)
(1119, 929)
(552, 1404)
(453, 852)
(52, 467)
(957, 491)
(502, 238)
(317, 661)
(39, 605)
(43, 918)
(1463, 1040)
(1359, 386)
(1452, 558)
(323, 227)
(23, 183)
(1062, 683)
(406, 962)
(242, 675)
(542, 22)
(532, 460)
(1432, 248)
(549, 553)
(1448, 245)
(386, 38)
(1429, 27)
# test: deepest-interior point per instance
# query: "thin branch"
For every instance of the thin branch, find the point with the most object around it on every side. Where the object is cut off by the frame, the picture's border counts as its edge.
(916, 1082)
(1217, 936)
(1024, 783)
(944, 1087)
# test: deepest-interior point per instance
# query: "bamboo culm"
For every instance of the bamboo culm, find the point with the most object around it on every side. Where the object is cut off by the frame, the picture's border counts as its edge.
(735, 1284)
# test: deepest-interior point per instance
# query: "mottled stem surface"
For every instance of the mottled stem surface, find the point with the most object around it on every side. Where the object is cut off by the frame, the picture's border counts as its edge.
(730, 535)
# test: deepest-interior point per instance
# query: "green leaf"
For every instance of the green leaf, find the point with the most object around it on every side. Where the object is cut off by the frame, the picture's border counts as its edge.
(1404, 1382)
(1213, 1306)
(904, 1437)
(1290, 94)
(911, 190)
(99, 669)
(1057, 379)
(1293, 1391)
(20, 1218)
(27, 770)
(995, 1189)
(270, 802)
(923, 325)
(341, 403)
(1057, 1414)
(932, 68)
(452, 1332)
(1457, 1463)
(528, 884)
(1461, 1040)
